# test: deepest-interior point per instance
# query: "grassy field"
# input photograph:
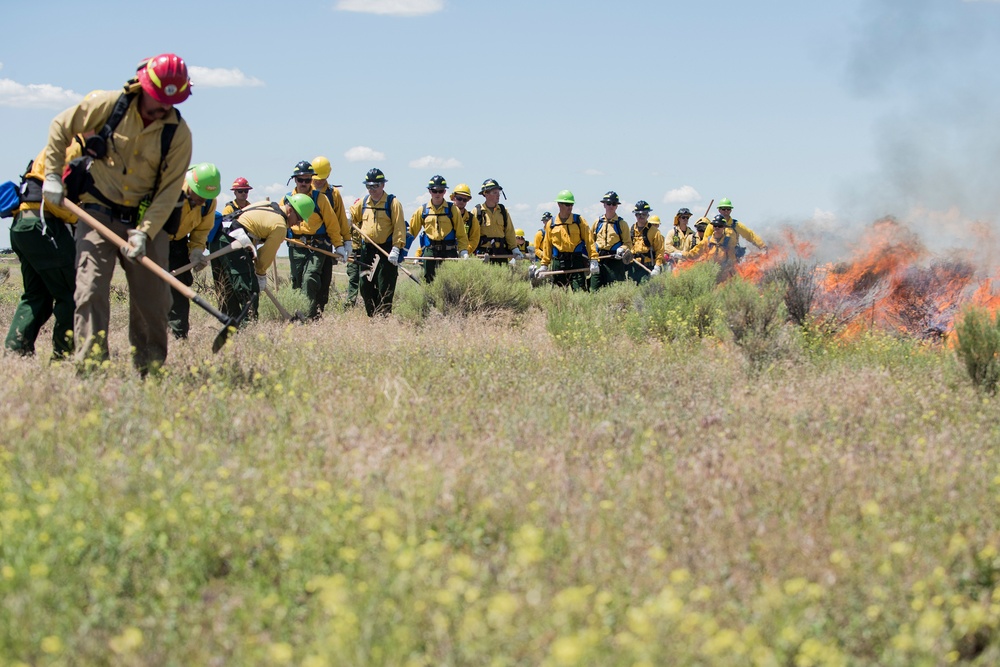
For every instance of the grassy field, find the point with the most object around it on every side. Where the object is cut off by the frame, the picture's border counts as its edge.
(575, 484)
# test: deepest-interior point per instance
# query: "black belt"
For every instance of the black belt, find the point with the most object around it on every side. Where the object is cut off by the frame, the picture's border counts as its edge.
(124, 214)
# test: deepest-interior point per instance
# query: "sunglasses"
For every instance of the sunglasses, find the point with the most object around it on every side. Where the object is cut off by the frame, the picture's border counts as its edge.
(437, 192)
(303, 179)
(465, 199)
(373, 186)
(241, 192)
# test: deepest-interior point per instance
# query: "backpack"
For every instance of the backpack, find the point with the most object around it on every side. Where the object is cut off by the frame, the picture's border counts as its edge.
(581, 247)
(481, 215)
(10, 199)
(618, 230)
(426, 211)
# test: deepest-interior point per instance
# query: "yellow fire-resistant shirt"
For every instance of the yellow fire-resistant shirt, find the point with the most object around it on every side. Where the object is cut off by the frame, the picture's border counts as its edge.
(339, 210)
(194, 226)
(648, 247)
(128, 172)
(471, 224)
(438, 224)
(264, 225)
(607, 237)
(737, 228)
(378, 226)
(539, 237)
(566, 236)
(722, 252)
(681, 240)
(495, 225)
(37, 172)
(322, 216)
(232, 207)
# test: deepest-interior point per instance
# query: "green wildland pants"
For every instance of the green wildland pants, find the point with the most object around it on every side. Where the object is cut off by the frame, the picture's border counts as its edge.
(378, 292)
(48, 273)
(235, 281)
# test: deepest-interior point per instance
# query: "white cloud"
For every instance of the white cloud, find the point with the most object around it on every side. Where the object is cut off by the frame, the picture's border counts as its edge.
(275, 191)
(430, 161)
(682, 195)
(363, 154)
(391, 7)
(592, 172)
(35, 96)
(218, 77)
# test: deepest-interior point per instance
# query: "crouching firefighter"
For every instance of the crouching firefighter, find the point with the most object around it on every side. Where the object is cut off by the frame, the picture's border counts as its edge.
(199, 196)
(440, 227)
(260, 228)
(44, 246)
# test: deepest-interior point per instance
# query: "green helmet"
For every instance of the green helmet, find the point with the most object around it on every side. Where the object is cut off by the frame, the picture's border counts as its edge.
(725, 203)
(303, 205)
(204, 180)
(565, 197)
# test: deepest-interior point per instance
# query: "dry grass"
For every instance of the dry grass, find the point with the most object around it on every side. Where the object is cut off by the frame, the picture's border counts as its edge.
(469, 492)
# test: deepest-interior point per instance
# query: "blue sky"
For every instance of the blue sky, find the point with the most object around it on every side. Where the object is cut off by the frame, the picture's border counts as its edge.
(823, 116)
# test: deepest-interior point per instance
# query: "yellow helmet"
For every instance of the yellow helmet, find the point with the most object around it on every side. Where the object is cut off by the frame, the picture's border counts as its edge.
(321, 166)
(461, 189)
(653, 219)
(518, 232)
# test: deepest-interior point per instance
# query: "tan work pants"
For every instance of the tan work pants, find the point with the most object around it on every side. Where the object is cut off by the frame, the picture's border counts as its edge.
(149, 296)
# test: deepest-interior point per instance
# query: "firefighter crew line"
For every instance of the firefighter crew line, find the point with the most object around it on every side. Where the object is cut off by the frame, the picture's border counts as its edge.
(140, 187)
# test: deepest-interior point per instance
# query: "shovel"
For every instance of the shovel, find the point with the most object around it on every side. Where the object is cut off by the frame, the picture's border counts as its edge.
(231, 323)
(298, 317)
(232, 247)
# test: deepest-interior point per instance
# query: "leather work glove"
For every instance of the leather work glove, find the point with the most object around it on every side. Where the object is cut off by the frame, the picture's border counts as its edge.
(197, 258)
(676, 256)
(627, 256)
(52, 189)
(517, 253)
(656, 270)
(532, 270)
(620, 252)
(464, 254)
(394, 257)
(342, 251)
(541, 270)
(348, 246)
(595, 267)
(137, 240)
(262, 281)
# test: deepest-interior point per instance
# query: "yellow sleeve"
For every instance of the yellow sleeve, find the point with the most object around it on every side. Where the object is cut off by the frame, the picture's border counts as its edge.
(267, 252)
(456, 221)
(749, 235)
(588, 238)
(341, 214)
(699, 249)
(417, 221)
(398, 225)
(511, 238)
(538, 244)
(474, 232)
(199, 235)
(546, 256)
(658, 247)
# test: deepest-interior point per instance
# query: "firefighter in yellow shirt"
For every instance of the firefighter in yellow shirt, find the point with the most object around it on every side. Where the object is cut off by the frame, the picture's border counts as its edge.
(647, 244)
(264, 224)
(569, 245)
(611, 238)
(462, 195)
(734, 228)
(199, 193)
(241, 192)
(46, 252)
(682, 238)
(720, 248)
(380, 217)
(496, 231)
(442, 226)
(540, 235)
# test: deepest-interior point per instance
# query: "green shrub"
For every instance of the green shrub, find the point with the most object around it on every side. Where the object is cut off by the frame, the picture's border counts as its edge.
(754, 320)
(464, 288)
(977, 344)
(680, 306)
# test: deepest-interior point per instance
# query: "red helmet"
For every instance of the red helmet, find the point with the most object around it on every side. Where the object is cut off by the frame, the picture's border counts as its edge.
(241, 183)
(165, 79)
